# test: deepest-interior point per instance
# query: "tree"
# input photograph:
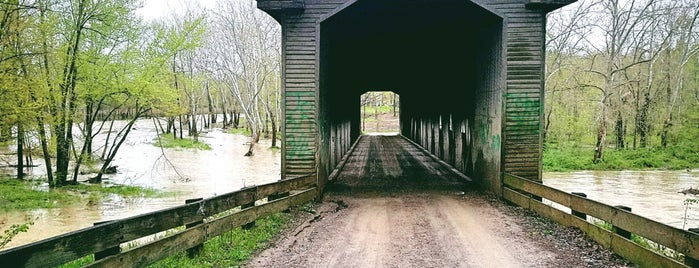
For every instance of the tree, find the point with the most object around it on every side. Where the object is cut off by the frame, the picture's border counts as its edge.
(247, 48)
(623, 26)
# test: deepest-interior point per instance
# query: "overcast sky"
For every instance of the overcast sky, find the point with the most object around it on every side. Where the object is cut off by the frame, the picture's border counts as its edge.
(154, 9)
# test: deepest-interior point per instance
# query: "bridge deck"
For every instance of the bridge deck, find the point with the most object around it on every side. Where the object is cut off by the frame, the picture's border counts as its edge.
(392, 162)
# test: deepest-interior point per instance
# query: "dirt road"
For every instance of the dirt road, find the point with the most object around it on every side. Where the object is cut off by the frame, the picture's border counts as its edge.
(389, 208)
(415, 230)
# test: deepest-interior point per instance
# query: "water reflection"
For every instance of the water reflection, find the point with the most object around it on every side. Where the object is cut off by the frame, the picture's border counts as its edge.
(652, 194)
(190, 173)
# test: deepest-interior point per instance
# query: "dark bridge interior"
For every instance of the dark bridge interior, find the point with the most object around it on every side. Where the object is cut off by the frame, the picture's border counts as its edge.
(443, 57)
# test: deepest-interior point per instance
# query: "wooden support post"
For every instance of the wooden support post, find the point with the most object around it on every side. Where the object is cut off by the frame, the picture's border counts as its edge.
(689, 261)
(252, 223)
(619, 231)
(107, 252)
(193, 252)
(579, 214)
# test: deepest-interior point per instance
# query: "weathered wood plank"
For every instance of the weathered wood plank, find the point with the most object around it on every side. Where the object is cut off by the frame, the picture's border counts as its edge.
(162, 248)
(682, 241)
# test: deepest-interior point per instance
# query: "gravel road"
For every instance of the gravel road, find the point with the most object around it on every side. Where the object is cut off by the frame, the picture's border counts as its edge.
(429, 229)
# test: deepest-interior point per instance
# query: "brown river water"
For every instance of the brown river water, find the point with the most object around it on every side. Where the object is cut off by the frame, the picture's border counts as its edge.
(201, 174)
(653, 194)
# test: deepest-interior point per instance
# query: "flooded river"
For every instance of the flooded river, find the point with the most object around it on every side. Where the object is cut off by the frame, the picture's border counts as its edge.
(652, 194)
(199, 173)
(196, 173)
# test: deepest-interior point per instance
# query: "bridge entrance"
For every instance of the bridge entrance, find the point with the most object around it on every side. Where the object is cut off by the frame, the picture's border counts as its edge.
(469, 74)
(442, 58)
(380, 112)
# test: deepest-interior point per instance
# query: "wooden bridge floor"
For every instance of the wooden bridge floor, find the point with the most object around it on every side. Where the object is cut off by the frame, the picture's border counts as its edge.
(393, 163)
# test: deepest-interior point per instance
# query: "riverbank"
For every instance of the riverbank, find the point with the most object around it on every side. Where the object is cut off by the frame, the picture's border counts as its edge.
(31, 194)
(565, 158)
(18, 196)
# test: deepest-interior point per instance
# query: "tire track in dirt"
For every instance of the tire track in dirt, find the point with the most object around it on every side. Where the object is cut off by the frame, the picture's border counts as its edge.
(409, 230)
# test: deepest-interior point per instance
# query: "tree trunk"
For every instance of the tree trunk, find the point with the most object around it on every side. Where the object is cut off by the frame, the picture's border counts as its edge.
(601, 136)
(181, 126)
(376, 114)
(89, 122)
(20, 151)
(255, 139)
(619, 131)
(394, 104)
(364, 117)
(666, 128)
(106, 141)
(274, 131)
(643, 127)
(45, 150)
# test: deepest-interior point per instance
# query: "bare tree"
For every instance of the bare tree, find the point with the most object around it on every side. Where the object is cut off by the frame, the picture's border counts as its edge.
(247, 48)
(622, 25)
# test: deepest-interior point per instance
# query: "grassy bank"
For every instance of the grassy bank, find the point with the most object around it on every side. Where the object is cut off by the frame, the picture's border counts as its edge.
(564, 158)
(233, 248)
(26, 195)
(167, 141)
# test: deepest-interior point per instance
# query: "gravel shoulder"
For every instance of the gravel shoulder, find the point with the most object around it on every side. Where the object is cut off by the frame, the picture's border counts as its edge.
(429, 229)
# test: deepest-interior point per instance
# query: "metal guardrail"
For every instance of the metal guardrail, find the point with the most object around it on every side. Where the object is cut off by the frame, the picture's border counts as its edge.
(104, 239)
(524, 193)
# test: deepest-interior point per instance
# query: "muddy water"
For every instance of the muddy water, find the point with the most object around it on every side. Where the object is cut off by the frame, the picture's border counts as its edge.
(652, 194)
(190, 173)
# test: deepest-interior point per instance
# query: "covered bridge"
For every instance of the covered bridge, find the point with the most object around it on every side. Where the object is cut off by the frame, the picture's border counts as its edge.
(469, 74)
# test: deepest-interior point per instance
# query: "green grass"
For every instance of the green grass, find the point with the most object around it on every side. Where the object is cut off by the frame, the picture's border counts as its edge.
(568, 158)
(120, 190)
(233, 248)
(79, 262)
(167, 141)
(370, 110)
(240, 130)
(24, 195)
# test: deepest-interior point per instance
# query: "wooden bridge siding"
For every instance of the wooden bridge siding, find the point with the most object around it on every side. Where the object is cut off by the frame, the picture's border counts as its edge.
(522, 102)
(523, 98)
(466, 131)
(301, 125)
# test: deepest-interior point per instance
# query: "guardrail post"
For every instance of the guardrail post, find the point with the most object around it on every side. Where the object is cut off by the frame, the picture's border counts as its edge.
(107, 252)
(193, 252)
(579, 214)
(689, 261)
(619, 231)
(252, 223)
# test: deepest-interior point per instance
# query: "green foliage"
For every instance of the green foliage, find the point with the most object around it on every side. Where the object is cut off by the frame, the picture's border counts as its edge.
(603, 224)
(240, 131)
(371, 110)
(568, 158)
(82, 262)
(168, 141)
(25, 195)
(121, 190)
(234, 248)
(13, 231)
(20, 195)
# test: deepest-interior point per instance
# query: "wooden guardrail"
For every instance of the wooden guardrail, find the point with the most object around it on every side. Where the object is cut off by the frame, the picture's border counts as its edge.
(202, 219)
(521, 191)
